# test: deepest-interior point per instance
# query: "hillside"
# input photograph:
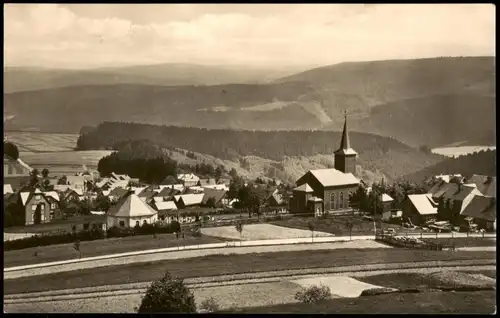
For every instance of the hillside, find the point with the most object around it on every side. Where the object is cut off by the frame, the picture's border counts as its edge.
(17, 79)
(483, 162)
(439, 98)
(434, 120)
(376, 154)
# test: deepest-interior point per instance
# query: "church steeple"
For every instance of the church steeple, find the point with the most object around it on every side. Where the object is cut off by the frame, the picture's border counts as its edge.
(345, 156)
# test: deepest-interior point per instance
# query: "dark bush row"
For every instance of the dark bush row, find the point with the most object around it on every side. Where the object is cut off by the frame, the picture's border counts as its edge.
(45, 240)
(145, 229)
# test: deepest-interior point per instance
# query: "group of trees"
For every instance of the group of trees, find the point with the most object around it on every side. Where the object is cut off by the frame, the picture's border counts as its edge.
(144, 160)
(388, 155)
(398, 190)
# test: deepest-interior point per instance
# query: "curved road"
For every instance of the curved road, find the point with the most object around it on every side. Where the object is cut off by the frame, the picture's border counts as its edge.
(90, 299)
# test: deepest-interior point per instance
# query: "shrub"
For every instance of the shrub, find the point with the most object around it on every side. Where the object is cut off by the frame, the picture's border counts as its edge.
(168, 295)
(313, 294)
(209, 305)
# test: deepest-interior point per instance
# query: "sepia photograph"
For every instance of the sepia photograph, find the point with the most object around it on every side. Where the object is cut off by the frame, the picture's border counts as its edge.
(249, 158)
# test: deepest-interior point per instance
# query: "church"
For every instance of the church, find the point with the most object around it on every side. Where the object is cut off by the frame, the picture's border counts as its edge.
(328, 190)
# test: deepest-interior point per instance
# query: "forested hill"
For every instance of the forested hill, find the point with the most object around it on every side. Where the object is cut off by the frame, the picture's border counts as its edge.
(375, 153)
(483, 162)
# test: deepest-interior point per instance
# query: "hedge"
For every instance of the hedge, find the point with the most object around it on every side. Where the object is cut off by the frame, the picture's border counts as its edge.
(44, 240)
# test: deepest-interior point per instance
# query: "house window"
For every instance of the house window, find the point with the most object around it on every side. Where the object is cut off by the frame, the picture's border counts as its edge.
(332, 201)
(85, 226)
(145, 222)
(37, 197)
(33, 207)
(122, 223)
(42, 207)
(53, 206)
(341, 200)
(52, 215)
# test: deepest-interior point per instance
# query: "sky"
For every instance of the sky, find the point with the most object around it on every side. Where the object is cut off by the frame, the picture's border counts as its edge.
(104, 35)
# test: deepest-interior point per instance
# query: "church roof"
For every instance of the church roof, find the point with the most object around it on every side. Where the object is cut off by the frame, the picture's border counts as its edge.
(345, 144)
(304, 188)
(333, 177)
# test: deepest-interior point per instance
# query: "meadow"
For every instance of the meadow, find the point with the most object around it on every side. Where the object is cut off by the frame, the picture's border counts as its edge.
(460, 150)
(252, 232)
(28, 141)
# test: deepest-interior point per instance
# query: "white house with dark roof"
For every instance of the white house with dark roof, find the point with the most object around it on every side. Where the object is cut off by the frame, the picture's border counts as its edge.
(333, 186)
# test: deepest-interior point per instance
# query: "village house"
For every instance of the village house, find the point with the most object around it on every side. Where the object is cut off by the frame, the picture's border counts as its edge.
(39, 209)
(188, 179)
(206, 182)
(116, 194)
(419, 209)
(224, 181)
(76, 182)
(147, 195)
(130, 211)
(169, 180)
(216, 197)
(15, 172)
(481, 210)
(333, 186)
(74, 195)
(487, 185)
(188, 200)
(167, 211)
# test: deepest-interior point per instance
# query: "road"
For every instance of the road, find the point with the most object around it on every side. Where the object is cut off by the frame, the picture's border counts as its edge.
(122, 298)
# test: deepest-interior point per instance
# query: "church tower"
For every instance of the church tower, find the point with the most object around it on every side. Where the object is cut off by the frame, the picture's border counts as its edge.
(345, 156)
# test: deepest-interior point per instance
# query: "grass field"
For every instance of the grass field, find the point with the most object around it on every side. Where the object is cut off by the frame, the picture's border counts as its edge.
(336, 225)
(444, 279)
(463, 241)
(41, 142)
(215, 265)
(481, 302)
(260, 232)
(62, 252)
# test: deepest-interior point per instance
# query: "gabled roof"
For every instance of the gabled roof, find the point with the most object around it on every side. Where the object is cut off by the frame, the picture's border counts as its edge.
(101, 183)
(75, 180)
(315, 199)
(304, 188)
(333, 177)
(191, 199)
(211, 193)
(386, 198)
(462, 193)
(169, 180)
(7, 188)
(481, 207)
(188, 177)
(422, 204)
(487, 185)
(24, 197)
(205, 182)
(166, 205)
(131, 206)
(52, 194)
(148, 193)
(118, 192)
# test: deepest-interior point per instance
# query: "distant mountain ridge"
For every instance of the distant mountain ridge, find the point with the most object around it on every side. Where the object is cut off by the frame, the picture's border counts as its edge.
(430, 102)
(19, 79)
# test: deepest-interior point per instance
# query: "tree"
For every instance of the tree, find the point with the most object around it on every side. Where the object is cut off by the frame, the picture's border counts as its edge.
(219, 171)
(168, 295)
(45, 173)
(211, 202)
(76, 246)
(239, 228)
(310, 225)
(349, 226)
(33, 177)
(102, 203)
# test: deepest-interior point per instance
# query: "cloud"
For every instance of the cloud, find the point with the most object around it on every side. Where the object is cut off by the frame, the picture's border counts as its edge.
(75, 36)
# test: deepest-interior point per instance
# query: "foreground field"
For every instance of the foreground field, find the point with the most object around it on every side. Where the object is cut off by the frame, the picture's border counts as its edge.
(260, 232)
(481, 302)
(28, 141)
(215, 265)
(60, 252)
(459, 242)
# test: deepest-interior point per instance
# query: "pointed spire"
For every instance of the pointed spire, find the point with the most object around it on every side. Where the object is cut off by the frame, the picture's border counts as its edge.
(345, 144)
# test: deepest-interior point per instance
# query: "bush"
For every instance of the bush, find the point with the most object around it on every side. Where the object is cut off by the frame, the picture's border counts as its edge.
(209, 305)
(44, 240)
(313, 294)
(168, 295)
